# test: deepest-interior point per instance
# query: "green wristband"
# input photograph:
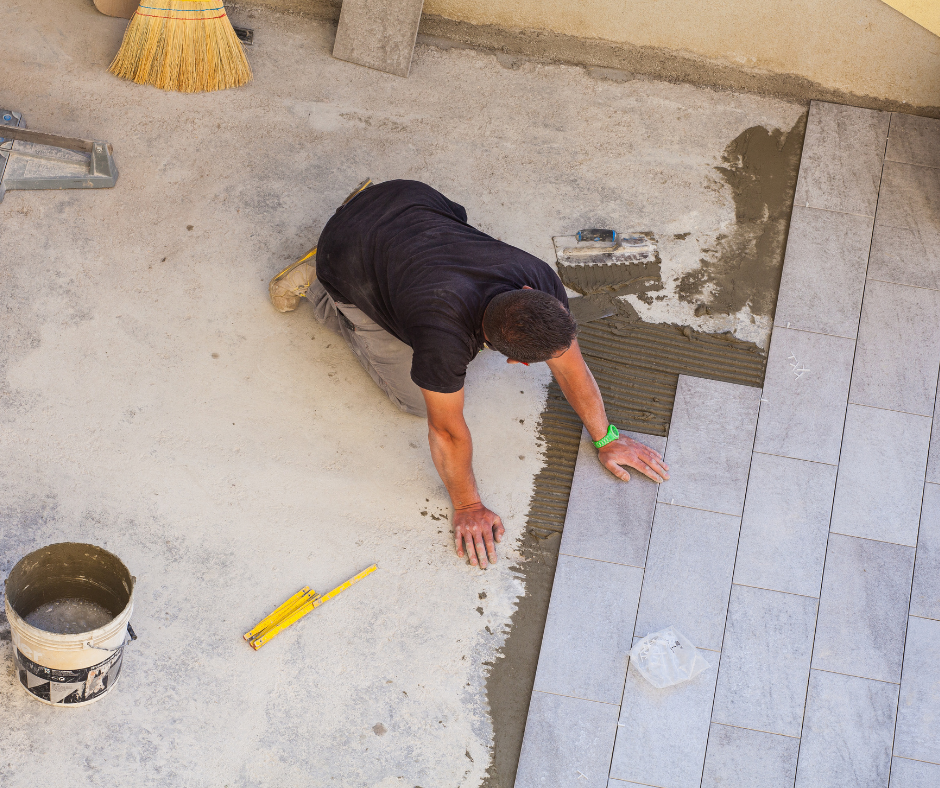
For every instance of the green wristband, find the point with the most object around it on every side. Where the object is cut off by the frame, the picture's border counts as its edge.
(612, 434)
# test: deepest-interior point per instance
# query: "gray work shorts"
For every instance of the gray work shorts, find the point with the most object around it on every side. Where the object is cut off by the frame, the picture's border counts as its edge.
(386, 358)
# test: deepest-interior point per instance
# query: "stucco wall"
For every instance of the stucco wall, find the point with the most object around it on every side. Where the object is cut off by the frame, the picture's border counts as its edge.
(858, 46)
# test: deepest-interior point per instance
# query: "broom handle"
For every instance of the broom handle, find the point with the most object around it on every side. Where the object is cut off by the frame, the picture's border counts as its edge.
(41, 138)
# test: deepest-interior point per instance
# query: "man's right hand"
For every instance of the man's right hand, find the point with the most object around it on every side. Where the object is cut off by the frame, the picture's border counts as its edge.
(477, 528)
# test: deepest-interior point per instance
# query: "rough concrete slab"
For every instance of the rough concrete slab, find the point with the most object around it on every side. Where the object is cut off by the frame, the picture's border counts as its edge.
(710, 443)
(802, 408)
(228, 483)
(880, 485)
(824, 272)
(863, 608)
(843, 152)
(608, 520)
(589, 630)
(925, 592)
(378, 34)
(765, 661)
(740, 758)
(568, 743)
(785, 525)
(919, 707)
(847, 732)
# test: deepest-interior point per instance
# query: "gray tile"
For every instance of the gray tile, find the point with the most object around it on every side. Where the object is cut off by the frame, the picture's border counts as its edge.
(688, 574)
(785, 525)
(910, 197)
(914, 774)
(933, 460)
(608, 519)
(663, 732)
(589, 630)
(925, 593)
(739, 758)
(565, 738)
(881, 472)
(914, 140)
(863, 608)
(379, 34)
(905, 256)
(918, 733)
(710, 442)
(824, 272)
(898, 351)
(805, 394)
(765, 661)
(843, 150)
(847, 732)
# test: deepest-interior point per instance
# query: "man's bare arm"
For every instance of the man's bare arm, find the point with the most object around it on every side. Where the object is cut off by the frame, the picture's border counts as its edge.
(475, 526)
(581, 390)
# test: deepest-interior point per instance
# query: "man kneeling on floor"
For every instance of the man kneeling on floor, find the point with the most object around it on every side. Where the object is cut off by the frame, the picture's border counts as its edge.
(417, 292)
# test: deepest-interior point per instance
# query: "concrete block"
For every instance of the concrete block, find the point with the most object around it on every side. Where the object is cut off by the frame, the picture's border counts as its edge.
(843, 150)
(765, 661)
(663, 733)
(847, 732)
(918, 733)
(567, 743)
(589, 630)
(863, 608)
(710, 443)
(608, 519)
(898, 353)
(805, 395)
(880, 485)
(925, 593)
(785, 525)
(379, 34)
(739, 758)
(914, 774)
(824, 272)
(914, 140)
(688, 574)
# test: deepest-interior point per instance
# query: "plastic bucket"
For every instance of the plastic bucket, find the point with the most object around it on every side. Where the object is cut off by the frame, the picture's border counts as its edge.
(69, 669)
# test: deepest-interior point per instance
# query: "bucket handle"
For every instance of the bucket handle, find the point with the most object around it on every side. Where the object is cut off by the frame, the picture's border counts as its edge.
(129, 638)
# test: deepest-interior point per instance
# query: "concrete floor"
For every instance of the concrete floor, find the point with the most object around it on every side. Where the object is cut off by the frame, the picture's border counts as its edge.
(152, 402)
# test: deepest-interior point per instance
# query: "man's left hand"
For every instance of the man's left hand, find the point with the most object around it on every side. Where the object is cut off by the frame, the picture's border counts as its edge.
(625, 451)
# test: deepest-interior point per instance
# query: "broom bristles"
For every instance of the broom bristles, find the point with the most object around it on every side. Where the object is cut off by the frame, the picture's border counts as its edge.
(183, 45)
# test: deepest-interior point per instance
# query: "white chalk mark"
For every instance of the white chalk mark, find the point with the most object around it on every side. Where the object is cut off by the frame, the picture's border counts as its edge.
(582, 775)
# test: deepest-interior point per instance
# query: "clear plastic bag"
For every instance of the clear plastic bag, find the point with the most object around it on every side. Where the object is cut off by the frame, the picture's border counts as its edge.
(667, 658)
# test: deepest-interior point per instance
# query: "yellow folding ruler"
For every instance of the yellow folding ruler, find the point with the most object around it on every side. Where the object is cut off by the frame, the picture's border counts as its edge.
(295, 609)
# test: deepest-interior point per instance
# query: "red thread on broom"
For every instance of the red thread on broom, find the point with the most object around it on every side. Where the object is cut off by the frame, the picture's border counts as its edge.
(183, 18)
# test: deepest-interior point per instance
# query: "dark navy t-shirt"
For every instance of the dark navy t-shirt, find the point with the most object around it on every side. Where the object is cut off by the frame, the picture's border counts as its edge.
(404, 254)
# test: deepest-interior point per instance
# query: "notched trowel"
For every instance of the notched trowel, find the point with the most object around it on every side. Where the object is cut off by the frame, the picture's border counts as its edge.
(37, 160)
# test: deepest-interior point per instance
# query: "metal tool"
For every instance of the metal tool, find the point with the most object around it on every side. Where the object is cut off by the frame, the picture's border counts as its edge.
(597, 234)
(37, 160)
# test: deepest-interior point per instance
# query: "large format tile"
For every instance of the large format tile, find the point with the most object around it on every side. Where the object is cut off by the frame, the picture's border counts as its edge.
(805, 394)
(847, 732)
(925, 593)
(843, 151)
(566, 738)
(785, 525)
(589, 630)
(918, 733)
(379, 34)
(608, 519)
(881, 474)
(914, 774)
(824, 272)
(710, 443)
(765, 661)
(914, 140)
(863, 608)
(906, 243)
(933, 457)
(739, 758)
(688, 574)
(898, 352)
(663, 732)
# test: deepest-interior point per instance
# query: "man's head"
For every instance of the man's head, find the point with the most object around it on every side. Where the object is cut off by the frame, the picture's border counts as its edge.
(528, 326)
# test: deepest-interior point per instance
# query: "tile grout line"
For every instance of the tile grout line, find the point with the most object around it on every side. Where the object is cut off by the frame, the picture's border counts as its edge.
(699, 508)
(880, 541)
(756, 730)
(797, 459)
(890, 410)
(788, 327)
(911, 164)
(774, 591)
(856, 676)
(822, 577)
(574, 697)
(598, 560)
(916, 760)
(806, 206)
(901, 284)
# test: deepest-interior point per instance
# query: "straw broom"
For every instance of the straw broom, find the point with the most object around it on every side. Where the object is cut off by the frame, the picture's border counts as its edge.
(183, 45)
